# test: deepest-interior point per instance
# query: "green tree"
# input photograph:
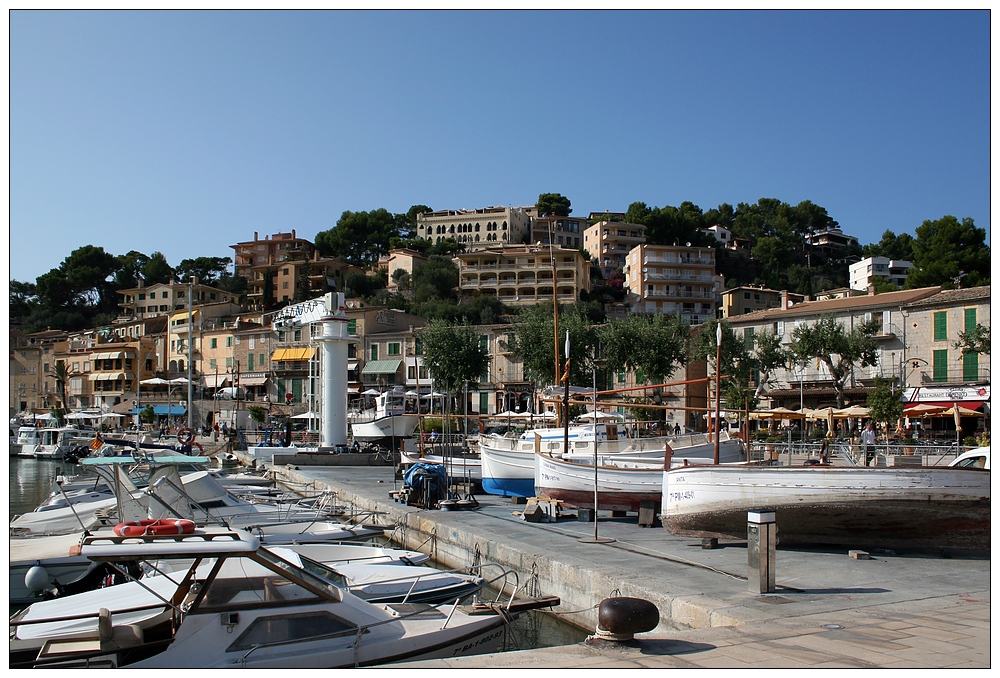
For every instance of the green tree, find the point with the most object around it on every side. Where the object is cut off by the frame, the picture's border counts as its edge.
(898, 247)
(438, 278)
(23, 299)
(950, 253)
(840, 350)
(257, 413)
(81, 284)
(157, 270)
(130, 268)
(653, 346)
(406, 224)
(453, 355)
(148, 415)
(553, 204)
(976, 340)
(884, 404)
(208, 270)
(360, 238)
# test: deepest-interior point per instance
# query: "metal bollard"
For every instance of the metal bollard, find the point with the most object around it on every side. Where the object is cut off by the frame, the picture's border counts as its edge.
(761, 543)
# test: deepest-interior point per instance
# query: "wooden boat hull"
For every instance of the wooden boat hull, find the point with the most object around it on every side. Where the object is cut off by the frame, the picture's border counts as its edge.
(929, 507)
(397, 426)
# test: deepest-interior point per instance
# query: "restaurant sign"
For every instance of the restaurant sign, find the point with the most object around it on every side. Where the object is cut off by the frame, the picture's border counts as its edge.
(928, 394)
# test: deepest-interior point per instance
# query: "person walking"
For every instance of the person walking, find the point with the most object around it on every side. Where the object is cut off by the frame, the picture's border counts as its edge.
(868, 443)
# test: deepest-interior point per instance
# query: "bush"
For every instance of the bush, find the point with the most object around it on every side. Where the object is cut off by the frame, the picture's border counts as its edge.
(970, 441)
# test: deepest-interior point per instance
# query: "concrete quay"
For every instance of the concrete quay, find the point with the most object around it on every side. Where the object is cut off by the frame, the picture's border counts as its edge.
(829, 610)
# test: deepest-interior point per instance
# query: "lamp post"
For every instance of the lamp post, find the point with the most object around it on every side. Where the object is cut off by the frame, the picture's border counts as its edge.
(595, 539)
(190, 400)
(718, 388)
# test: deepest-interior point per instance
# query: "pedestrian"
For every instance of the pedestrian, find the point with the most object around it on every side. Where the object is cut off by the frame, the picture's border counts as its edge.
(677, 429)
(824, 451)
(868, 443)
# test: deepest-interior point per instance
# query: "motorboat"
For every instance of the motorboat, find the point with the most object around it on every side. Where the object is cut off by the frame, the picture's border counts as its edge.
(55, 443)
(27, 439)
(252, 608)
(395, 415)
(40, 568)
(890, 507)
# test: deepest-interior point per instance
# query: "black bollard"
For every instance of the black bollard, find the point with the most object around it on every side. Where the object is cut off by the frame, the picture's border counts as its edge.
(619, 619)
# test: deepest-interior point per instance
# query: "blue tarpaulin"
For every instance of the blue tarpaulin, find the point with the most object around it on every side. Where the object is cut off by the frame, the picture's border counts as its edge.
(164, 410)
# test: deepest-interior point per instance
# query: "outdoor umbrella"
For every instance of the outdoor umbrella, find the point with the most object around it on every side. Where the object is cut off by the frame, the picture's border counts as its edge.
(852, 411)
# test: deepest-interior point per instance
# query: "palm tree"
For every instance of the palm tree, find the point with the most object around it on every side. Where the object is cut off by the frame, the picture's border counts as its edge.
(61, 373)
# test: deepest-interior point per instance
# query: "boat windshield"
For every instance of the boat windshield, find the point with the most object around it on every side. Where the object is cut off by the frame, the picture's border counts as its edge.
(263, 579)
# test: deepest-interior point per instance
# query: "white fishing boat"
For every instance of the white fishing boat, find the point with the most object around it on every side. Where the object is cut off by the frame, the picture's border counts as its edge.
(54, 443)
(624, 481)
(253, 608)
(509, 463)
(852, 506)
(460, 465)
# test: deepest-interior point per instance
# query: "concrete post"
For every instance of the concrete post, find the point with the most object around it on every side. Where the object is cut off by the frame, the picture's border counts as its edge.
(761, 544)
(334, 341)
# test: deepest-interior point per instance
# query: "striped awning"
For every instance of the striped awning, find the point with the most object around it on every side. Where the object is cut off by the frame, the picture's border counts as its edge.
(381, 366)
(216, 380)
(107, 355)
(253, 381)
(106, 376)
(183, 316)
(293, 354)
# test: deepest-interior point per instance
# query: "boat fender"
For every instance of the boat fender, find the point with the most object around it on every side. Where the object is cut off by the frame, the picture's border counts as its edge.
(620, 618)
(37, 579)
(162, 526)
(185, 436)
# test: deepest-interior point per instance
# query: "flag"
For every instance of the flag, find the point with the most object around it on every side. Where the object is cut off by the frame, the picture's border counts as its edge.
(565, 376)
(97, 443)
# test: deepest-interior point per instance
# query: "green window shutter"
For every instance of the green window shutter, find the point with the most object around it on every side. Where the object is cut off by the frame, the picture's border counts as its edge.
(215, 343)
(941, 365)
(352, 327)
(260, 359)
(484, 403)
(941, 326)
(297, 390)
(748, 339)
(970, 319)
(970, 366)
(484, 342)
(418, 346)
(250, 362)
(374, 352)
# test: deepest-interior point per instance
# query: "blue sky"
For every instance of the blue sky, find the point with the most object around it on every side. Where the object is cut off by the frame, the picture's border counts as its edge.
(186, 132)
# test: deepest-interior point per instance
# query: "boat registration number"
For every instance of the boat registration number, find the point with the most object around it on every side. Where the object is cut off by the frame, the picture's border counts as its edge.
(681, 496)
(485, 639)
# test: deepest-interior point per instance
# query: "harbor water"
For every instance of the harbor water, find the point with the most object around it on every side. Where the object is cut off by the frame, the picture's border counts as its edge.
(32, 480)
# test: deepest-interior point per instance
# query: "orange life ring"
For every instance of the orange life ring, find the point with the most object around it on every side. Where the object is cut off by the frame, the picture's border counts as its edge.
(201, 450)
(141, 528)
(185, 436)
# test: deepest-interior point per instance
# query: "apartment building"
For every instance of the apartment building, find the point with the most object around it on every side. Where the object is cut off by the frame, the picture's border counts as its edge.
(673, 279)
(811, 385)
(283, 268)
(562, 231)
(609, 242)
(890, 270)
(117, 370)
(524, 275)
(400, 259)
(750, 298)
(476, 228)
(138, 303)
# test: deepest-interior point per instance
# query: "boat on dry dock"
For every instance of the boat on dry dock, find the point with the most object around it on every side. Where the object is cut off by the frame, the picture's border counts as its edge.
(895, 507)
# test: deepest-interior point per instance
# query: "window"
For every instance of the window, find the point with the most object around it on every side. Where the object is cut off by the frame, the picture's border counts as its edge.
(250, 362)
(970, 366)
(212, 364)
(229, 362)
(393, 349)
(941, 365)
(213, 343)
(970, 319)
(260, 359)
(374, 352)
(941, 326)
(297, 335)
(229, 342)
(164, 295)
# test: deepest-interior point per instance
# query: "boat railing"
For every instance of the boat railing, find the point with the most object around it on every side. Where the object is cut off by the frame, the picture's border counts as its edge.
(852, 452)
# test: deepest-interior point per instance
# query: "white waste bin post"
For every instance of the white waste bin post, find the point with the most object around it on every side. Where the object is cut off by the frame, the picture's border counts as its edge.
(761, 543)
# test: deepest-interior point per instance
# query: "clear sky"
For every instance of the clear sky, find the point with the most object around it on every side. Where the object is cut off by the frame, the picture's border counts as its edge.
(186, 132)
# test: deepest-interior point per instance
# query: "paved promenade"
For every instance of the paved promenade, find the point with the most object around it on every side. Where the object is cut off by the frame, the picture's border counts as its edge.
(893, 610)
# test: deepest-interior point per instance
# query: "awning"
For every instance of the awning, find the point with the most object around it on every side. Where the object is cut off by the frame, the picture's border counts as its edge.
(164, 410)
(967, 404)
(216, 380)
(183, 316)
(381, 366)
(253, 381)
(292, 354)
(106, 376)
(107, 355)
(352, 365)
